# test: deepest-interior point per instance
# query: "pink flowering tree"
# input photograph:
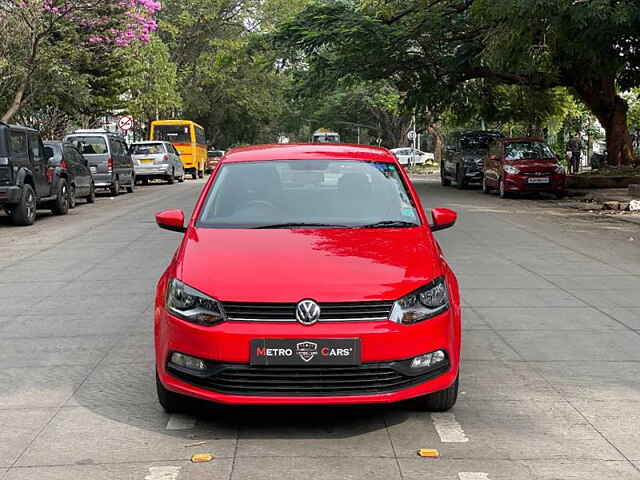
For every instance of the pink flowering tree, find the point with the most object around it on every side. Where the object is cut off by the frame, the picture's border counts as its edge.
(42, 36)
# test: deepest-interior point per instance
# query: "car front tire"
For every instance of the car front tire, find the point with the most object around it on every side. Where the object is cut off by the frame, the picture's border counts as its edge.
(439, 401)
(72, 197)
(170, 401)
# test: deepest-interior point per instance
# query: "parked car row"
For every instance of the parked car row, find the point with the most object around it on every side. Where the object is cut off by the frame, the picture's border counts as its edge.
(55, 174)
(509, 166)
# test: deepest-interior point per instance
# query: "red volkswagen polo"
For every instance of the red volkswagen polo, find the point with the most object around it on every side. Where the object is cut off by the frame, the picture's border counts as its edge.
(308, 274)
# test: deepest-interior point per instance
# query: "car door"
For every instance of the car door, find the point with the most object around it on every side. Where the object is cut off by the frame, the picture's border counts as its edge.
(81, 172)
(118, 160)
(39, 165)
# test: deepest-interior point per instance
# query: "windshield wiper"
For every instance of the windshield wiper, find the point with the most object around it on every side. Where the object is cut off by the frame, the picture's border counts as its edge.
(390, 224)
(302, 224)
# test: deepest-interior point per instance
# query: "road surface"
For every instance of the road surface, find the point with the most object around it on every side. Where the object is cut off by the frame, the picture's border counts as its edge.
(550, 377)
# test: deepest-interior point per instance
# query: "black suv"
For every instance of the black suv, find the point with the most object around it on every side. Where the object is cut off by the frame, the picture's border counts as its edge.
(26, 181)
(464, 155)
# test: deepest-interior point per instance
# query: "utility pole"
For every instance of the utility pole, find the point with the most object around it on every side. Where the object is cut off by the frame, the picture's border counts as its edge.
(413, 151)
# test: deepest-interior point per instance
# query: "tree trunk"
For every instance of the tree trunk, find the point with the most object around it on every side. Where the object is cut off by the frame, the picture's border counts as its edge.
(438, 142)
(600, 95)
(16, 103)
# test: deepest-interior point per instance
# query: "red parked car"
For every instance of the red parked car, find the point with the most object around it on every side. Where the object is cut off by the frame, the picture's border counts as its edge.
(523, 165)
(308, 274)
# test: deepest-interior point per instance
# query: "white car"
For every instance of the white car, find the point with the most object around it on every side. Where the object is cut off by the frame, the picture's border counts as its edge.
(415, 156)
(155, 159)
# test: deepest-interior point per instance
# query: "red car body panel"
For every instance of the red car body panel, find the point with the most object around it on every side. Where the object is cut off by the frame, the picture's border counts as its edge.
(326, 265)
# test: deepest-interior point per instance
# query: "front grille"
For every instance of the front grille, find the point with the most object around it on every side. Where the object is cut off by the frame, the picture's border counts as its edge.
(538, 173)
(242, 379)
(286, 312)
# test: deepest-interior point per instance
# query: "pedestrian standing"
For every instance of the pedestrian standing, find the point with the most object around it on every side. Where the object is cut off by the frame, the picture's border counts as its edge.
(575, 147)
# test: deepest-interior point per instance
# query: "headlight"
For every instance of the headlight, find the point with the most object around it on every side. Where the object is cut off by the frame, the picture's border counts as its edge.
(191, 305)
(511, 170)
(424, 303)
(560, 169)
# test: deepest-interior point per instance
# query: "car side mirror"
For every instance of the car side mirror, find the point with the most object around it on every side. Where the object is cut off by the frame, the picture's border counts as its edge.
(442, 218)
(171, 220)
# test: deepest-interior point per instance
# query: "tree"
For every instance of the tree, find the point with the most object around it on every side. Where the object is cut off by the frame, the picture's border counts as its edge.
(431, 48)
(226, 84)
(153, 82)
(36, 32)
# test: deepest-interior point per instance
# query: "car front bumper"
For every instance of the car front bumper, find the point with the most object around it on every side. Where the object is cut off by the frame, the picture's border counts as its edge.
(385, 349)
(520, 184)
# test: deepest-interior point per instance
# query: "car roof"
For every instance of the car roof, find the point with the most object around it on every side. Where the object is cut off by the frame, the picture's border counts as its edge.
(480, 133)
(308, 151)
(520, 139)
(18, 127)
(94, 133)
(149, 142)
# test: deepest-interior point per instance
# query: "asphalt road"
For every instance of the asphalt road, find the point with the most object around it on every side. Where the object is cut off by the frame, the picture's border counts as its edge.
(550, 378)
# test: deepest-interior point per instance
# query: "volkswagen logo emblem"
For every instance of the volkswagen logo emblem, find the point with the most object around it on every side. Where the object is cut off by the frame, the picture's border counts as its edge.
(307, 312)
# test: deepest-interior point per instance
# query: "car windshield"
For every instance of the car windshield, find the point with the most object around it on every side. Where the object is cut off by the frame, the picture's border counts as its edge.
(476, 142)
(172, 133)
(90, 145)
(527, 151)
(308, 193)
(146, 148)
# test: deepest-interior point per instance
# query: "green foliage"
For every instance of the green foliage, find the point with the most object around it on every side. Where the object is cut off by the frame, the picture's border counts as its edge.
(437, 51)
(152, 82)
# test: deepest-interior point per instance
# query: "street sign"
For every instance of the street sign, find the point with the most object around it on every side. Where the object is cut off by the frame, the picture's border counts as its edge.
(125, 123)
(411, 135)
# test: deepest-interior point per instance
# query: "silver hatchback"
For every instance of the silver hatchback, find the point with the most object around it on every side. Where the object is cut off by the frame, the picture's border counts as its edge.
(156, 160)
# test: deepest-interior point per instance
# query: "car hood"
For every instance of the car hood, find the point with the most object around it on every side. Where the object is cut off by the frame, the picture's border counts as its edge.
(327, 265)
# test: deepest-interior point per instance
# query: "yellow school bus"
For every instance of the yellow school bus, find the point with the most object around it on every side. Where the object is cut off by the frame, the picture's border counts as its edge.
(188, 138)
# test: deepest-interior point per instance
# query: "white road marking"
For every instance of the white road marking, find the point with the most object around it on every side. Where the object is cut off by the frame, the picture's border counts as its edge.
(448, 428)
(163, 473)
(473, 476)
(180, 422)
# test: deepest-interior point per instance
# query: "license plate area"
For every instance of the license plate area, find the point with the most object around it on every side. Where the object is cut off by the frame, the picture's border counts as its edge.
(312, 352)
(538, 180)
(146, 160)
